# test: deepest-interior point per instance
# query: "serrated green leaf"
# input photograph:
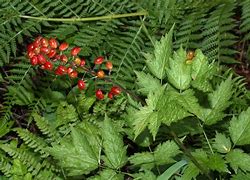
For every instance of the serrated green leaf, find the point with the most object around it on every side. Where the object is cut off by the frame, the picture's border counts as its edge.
(158, 61)
(145, 160)
(147, 83)
(190, 172)
(241, 176)
(221, 143)
(216, 162)
(75, 154)
(107, 174)
(146, 175)
(219, 101)
(164, 152)
(240, 128)
(113, 146)
(179, 72)
(238, 159)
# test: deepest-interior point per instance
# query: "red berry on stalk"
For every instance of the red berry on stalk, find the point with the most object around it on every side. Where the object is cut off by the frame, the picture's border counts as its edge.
(110, 95)
(99, 94)
(75, 51)
(53, 43)
(73, 74)
(77, 61)
(99, 60)
(37, 50)
(41, 59)
(31, 54)
(48, 65)
(34, 60)
(81, 84)
(61, 70)
(70, 70)
(116, 90)
(109, 65)
(52, 53)
(63, 46)
(37, 41)
(30, 47)
(64, 58)
(44, 42)
(45, 50)
(100, 74)
(82, 63)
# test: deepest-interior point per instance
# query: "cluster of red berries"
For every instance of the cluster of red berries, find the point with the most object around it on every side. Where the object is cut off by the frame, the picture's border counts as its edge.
(48, 54)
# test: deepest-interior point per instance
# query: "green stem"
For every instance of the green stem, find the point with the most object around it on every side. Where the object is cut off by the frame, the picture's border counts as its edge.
(186, 151)
(205, 135)
(97, 18)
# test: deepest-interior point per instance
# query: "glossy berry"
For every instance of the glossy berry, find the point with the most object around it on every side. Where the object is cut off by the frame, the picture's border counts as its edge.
(109, 65)
(64, 58)
(115, 90)
(99, 94)
(70, 70)
(61, 70)
(53, 43)
(110, 95)
(73, 74)
(75, 51)
(48, 65)
(100, 74)
(41, 59)
(82, 63)
(30, 47)
(37, 50)
(81, 84)
(190, 55)
(44, 42)
(63, 46)
(52, 53)
(31, 54)
(34, 60)
(99, 60)
(45, 50)
(37, 41)
(77, 61)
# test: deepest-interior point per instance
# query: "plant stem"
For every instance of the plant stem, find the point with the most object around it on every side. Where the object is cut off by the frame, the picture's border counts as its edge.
(205, 135)
(96, 18)
(186, 151)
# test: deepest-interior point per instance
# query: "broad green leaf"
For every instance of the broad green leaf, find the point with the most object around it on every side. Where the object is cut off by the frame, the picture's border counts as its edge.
(158, 61)
(217, 163)
(172, 170)
(75, 154)
(221, 143)
(107, 174)
(179, 72)
(145, 160)
(219, 101)
(113, 146)
(201, 156)
(146, 175)
(147, 83)
(202, 72)
(238, 159)
(190, 172)
(164, 152)
(240, 128)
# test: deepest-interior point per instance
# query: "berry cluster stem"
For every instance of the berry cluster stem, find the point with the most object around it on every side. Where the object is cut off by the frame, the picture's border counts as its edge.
(96, 18)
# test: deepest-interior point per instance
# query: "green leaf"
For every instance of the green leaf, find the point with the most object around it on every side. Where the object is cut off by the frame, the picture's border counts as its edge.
(219, 101)
(146, 175)
(238, 159)
(179, 72)
(172, 170)
(65, 114)
(202, 72)
(217, 163)
(147, 83)
(158, 61)
(240, 128)
(145, 160)
(221, 143)
(113, 146)
(107, 174)
(75, 154)
(190, 172)
(241, 176)
(164, 152)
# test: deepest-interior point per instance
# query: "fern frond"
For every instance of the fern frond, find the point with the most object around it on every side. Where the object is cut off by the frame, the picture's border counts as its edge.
(245, 19)
(5, 165)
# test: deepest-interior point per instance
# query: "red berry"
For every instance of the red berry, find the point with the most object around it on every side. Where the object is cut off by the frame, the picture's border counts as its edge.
(52, 53)
(109, 65)
(73, 74)
(30, 47)
(34, 60)
(45, 50)
(99, 95)
(99, 60)
(77, 61)
(75, 51)
(110, 95)
(44, 42)
(37, 41)
(82, 63)
(115, 90)
(81, 84)
(57, 57)
(48, 65)
(41, 59)
(37, 50)
(100, 74)
(63, 46)
(61, 70)
(31, 54)
(64, 58)
(53, 43)
(70, 70)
